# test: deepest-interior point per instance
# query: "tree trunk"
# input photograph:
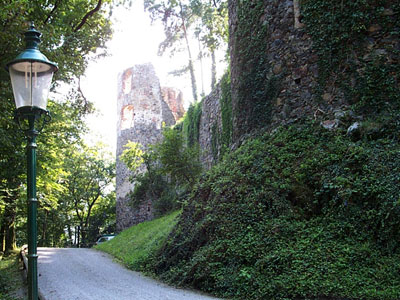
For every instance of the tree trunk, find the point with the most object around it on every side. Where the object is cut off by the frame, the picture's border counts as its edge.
(69, 233)
(213, 70)
(79, 234)
(201, 69)
(191, 67)
(9, 225)
(75, 236)
(83, 236)
(2, 237)
(10, 241)
(44, 229)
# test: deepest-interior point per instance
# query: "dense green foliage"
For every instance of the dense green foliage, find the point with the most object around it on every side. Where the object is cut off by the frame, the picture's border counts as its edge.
(302, 212)
(151, 184)
(164, 172)
(88, 177)
(102, 218)
(10, 277)
(179, 161)
(136, 247)
(74, 31)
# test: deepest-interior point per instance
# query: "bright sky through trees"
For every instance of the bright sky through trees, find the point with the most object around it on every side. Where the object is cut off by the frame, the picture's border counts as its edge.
(135, 41)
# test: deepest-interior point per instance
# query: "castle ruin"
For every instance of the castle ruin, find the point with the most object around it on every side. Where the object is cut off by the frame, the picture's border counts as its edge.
(143, 108)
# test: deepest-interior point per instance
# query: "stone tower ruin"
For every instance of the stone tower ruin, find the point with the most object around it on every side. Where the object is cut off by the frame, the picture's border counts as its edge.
(143, 107)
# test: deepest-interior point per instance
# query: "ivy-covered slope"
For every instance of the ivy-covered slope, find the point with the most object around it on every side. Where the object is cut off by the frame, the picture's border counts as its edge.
(299, 213)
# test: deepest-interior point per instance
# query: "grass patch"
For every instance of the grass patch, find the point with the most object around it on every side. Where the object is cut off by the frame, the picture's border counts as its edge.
(10, 277)
(136, 247)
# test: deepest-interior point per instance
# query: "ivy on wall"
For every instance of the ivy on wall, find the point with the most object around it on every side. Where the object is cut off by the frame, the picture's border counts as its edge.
(221, 138)
(226, 112)
(356, 45)
(256, 89)
(191, 124)
(287, 214)
(215, 141)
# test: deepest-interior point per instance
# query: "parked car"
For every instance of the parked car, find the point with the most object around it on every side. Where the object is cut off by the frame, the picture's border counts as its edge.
(105, 238)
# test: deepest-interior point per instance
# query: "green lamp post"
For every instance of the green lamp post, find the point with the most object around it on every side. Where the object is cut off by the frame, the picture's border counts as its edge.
(31, 74)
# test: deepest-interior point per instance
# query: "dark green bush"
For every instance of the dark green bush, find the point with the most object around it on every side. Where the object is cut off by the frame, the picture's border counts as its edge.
(154, 185)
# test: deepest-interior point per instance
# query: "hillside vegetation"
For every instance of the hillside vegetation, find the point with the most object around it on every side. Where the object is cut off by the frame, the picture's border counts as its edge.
(298, 213)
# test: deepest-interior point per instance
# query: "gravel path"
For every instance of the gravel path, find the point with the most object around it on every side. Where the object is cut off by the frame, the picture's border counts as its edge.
(86, 274)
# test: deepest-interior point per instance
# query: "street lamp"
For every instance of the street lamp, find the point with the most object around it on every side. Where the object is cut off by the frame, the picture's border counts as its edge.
(31, 74)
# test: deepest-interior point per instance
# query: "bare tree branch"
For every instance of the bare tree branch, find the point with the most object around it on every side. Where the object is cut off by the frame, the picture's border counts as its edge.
(86, 105)
(88, 15)
(52, 11)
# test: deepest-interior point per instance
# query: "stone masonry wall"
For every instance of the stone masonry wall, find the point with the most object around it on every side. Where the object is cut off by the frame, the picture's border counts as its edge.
(174, 99)
(210, 116)
(288, 57)
(291, 80)
(141, 114)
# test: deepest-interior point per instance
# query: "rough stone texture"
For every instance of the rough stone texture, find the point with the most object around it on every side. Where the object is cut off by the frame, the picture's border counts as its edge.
(290, 56)
(290, 51)
(211, 114)
(235, 59)
(141, 114)
(174, 98)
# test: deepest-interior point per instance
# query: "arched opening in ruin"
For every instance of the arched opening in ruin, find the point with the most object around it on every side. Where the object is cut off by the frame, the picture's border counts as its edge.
(127, 116)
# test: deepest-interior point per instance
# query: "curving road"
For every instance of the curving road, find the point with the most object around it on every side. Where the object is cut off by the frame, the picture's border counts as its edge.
(87, 274)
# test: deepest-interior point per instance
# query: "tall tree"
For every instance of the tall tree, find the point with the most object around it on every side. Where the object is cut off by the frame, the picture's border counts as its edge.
(87, 179)
(211, 29)
(72, 32)
(60, 137)
(177, 17)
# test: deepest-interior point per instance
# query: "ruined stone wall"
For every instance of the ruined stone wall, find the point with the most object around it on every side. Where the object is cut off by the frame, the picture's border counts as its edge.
(210, 121)
(286, 65)
(283, 60)
(141, 114)
(174, 99)
(283, 70)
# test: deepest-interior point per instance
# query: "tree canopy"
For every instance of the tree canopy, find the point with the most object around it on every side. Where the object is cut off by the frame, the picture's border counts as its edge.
(74, 32)
(185, 20)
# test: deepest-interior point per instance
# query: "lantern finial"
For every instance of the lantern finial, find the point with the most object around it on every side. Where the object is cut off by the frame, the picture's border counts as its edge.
(32, 37)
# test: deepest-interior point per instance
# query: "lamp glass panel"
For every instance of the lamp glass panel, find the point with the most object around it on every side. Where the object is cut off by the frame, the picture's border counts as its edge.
(31, 83)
